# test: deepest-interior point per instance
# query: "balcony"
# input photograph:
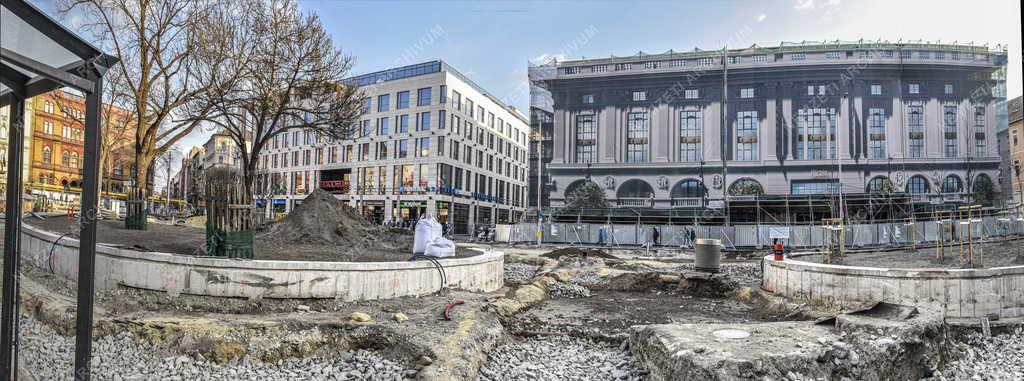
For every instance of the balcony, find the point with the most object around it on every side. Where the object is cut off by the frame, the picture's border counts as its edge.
(633, 202)
(687, 202)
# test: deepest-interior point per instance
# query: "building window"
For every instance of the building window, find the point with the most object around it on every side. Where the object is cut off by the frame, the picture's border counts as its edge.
(442, 115)
(760, 58)
(905, 54)
(924, 54)
(876, 133)
(940, 55)
(876, 89)
(623, 67)
(639, 96)
(402, 123)
(402, 151)
(881, 184)
(599, 68)
(706, 61)
(403, 100)
(423, 96)
(914, 88)
(588, 98)
(383, 102)
(954, 56)
(917, 185)
(949, 131)
(886, 54)
(424, 122)
(651, 65)
(382, 126)
(733, 60)
(747, 92)
(797, 57)
(457, 100)
(691, 132)
(47, 154)
(367, 104)
(947, 89)
(691, 94)
(952, 184)
(819, 124)
(746, 135)
(444, 95)
(677, 63)
(572, 70)
(64, 158)
(423, 146)
(833, 55)
(48, 127)
(636, 137)
(366, 130)
(586, 139)
(915, 131)
(979, 132)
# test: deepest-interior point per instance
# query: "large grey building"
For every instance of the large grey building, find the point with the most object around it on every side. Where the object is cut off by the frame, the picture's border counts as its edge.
(916, 121)
(430, 141)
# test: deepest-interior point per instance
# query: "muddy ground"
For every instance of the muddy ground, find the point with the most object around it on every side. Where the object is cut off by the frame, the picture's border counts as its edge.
(987, 254)
(188, 240)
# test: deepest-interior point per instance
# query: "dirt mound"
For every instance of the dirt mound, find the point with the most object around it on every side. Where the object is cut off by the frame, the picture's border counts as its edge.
(577, 252)
(322, 219)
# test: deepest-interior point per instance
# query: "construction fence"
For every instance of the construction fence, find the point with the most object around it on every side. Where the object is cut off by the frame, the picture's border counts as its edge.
(759, 236)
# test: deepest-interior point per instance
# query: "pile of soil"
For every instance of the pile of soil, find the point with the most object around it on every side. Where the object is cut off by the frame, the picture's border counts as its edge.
(577, 252)
(324, 220)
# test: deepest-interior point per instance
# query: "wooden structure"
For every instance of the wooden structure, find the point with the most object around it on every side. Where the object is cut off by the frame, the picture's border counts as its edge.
(228, 216)
(136, 214)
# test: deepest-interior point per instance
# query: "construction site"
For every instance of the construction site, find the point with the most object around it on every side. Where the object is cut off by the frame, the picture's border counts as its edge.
(330, 296)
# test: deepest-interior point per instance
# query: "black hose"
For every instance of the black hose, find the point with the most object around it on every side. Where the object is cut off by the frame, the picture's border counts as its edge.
(49, 257)
(437, 265)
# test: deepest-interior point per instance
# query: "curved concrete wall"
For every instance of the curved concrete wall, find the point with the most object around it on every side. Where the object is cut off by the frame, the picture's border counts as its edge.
(960, 293)
(176, 273)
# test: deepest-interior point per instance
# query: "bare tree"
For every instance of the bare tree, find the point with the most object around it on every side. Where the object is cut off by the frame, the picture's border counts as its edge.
(154, 40)
(286, 74)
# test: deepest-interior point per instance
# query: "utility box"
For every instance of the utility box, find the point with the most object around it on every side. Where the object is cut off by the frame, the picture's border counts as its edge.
(707, 255)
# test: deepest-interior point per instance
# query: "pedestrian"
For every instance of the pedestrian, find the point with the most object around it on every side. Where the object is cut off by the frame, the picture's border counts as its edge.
(655, 235)
(600, 236)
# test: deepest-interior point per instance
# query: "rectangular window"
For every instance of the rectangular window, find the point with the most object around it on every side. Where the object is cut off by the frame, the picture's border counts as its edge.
(810, 90)
(586, 139)
(691, 94)
(886, 54)
(572, 70)
(441, 119)
(402, 123)
(814, 187)
(383, 149)
(383, 102)
(915, 131)
(424, 122)
(599, 68)
(979, 132)
(816, 130)
(652, 65)
(444, 95)
(457, 100)
(423, 96)
(588, 98)
(636, 137)
(797, 56)
(924, 54)
(623, 67)
(639, 96)
(677, 63)
(876, 89)
(905, 54)
(747, 92)
(833, 55)
(733, 60)
(366, 105)
(746, 135)
(403, 149)
(423, 146)
(940, 55)
(760, 58)
(382, 126)
(876, 133)
(914, 88)
(706, 61)
(947, 89)
(367, 129)
(691, 132)
(403, 100)
(949, 146)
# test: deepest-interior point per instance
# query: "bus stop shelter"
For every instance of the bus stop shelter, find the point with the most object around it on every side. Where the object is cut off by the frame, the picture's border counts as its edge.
(37, 55)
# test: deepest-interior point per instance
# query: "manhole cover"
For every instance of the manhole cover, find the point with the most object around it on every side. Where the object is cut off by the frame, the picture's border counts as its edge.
(732, 334)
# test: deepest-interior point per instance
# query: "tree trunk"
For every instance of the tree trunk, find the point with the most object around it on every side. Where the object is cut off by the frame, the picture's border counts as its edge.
(135, 216)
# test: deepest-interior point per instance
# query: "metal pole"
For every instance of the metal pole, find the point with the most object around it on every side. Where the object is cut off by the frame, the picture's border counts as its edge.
(725, 130)
(87, 240)
(12, 238)
(540, 171)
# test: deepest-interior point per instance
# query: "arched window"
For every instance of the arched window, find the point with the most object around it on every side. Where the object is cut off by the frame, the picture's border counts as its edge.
(952, 184)
(64, 158)
(635, 189)
(47, 154)
(746, 187)
(74, 159)
(881, 184)
(982, 189)
(688, 188)
(917, 184)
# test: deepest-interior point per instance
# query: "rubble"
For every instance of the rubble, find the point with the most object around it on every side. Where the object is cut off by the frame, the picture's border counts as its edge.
(999, 357)
(560, 358)
(519, 273)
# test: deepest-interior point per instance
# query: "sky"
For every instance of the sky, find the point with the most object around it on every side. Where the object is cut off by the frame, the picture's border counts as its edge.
(493, 42)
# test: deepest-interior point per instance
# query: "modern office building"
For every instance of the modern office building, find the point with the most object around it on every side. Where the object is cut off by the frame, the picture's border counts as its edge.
(429, 141)
(911, 121)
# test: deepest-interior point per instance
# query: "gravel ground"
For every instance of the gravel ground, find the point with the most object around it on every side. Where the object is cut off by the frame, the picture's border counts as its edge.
(978, 357)
(568, 290)
(560, 358)
(49, 356)
(519, 273)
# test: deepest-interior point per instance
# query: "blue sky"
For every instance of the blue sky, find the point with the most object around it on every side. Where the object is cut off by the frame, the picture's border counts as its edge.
(493, 41)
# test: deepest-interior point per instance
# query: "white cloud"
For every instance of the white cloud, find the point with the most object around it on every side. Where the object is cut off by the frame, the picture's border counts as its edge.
(761, 17)
(548, 57)
(804, 4)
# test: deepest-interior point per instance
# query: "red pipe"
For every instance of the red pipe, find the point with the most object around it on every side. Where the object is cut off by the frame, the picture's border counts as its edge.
(449, 307)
